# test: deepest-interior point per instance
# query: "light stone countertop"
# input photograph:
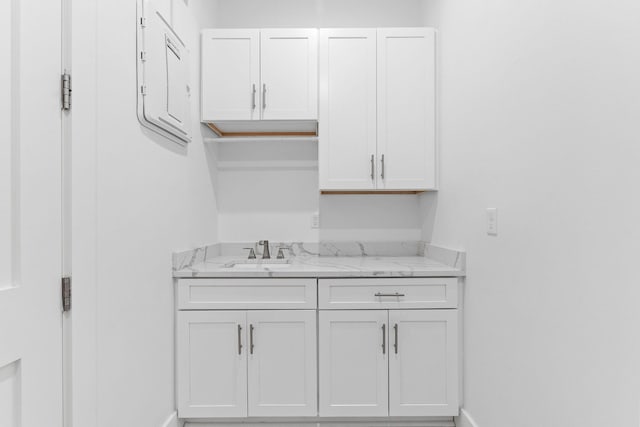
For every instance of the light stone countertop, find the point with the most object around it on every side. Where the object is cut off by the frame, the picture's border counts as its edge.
(408, 259)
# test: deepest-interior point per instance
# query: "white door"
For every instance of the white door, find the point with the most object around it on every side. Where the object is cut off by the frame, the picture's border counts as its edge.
(347, 121)
(406, 109)
(230, 75)
(212, 364)
(289, 74)
(30, 214)
(423, 363)
(353, 363)
(282, 363)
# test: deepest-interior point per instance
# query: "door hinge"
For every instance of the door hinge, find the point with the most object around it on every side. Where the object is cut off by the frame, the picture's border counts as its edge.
(143, 22)
(143, 90)
(66, 91)
(66, 293)
(143, 56)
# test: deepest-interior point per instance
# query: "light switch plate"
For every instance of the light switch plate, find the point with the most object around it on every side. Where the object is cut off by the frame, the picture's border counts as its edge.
(492, 221)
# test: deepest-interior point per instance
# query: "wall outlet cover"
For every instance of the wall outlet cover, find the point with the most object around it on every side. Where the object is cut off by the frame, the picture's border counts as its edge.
(492, 221)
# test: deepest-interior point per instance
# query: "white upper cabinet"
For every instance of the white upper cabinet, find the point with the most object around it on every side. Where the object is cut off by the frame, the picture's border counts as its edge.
(406, 109)
(423, 363)
(347, 125)
(230, 75)
(289, 74)
(251, 75)
(377, 109)
(282, 363)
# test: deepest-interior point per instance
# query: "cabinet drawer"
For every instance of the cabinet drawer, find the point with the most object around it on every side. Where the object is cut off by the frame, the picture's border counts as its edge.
(205, 294)
(390, 293)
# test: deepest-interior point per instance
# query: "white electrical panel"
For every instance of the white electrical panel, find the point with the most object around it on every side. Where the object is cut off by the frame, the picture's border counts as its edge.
(163, 74)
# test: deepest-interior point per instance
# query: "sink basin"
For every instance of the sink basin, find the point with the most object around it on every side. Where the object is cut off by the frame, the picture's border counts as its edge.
(259, 266)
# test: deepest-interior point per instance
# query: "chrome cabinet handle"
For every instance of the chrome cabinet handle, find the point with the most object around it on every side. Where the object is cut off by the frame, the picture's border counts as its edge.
(264, 96)
(384, 338)
(378, 294)
(395, 332)
(253, 99)
(251, 339)
(382, 168)
(372, 167)
(239, 339)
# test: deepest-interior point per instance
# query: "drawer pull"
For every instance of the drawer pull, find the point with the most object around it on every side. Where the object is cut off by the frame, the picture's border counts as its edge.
(395, 332)
(384, 338)
(251, 339)
(378, 294)
(239, 339)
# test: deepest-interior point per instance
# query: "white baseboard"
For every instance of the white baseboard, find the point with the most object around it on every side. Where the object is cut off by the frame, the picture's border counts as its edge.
(173, 421)
(437, 423)
(465, 420)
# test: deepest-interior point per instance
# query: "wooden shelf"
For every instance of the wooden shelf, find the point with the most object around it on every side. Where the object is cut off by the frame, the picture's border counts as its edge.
(345, 192)
(261, 139)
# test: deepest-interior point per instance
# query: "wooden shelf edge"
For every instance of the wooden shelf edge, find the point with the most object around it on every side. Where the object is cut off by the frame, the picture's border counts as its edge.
(230, 135)
(261, 139)
(346, 192)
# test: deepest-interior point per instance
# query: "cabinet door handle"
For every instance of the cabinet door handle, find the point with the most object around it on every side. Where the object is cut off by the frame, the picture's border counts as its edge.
(239, 339)
(382, 168)
(253, 97)
(264, 96)
(384, 338)
(372, 167)
(251, 339)
(395, 333)
(378, 294)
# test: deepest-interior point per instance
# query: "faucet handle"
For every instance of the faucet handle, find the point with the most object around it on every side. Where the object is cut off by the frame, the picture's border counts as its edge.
(281, 253)
(252, 253)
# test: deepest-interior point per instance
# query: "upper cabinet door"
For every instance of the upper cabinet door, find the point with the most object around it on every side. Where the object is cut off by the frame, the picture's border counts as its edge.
(289, 78)
(423, 363)
(212, 364)
(406, 109)
(230, 75)
(353, 363)
(282, 363)
(347, 145)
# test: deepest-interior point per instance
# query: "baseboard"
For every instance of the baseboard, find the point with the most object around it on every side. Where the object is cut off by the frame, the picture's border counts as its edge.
(465, 420)
(173, 421)
(434, 423)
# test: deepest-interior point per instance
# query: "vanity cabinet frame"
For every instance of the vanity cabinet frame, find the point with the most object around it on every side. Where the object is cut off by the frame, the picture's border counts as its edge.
(387, 356)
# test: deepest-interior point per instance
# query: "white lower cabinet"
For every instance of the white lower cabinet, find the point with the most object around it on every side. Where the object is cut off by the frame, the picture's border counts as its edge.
(388, 363)
(391, 355)
(423, 362)
(236, 364)
(353, 363)
(212, 364)
(282, 363)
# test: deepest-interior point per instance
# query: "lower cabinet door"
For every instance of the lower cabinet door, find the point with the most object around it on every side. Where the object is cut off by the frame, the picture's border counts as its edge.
(282, 363)
(353, 363)
(423, 363)
(212, 364)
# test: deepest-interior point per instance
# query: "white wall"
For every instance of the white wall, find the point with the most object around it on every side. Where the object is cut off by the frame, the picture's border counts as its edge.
(153, 197)
(539, 117)
(269, 190)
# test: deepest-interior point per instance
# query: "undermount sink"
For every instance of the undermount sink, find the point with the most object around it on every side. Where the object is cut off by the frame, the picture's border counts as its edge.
(258, 265)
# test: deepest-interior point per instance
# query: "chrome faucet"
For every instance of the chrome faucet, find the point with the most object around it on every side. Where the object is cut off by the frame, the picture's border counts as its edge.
(265, 252)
